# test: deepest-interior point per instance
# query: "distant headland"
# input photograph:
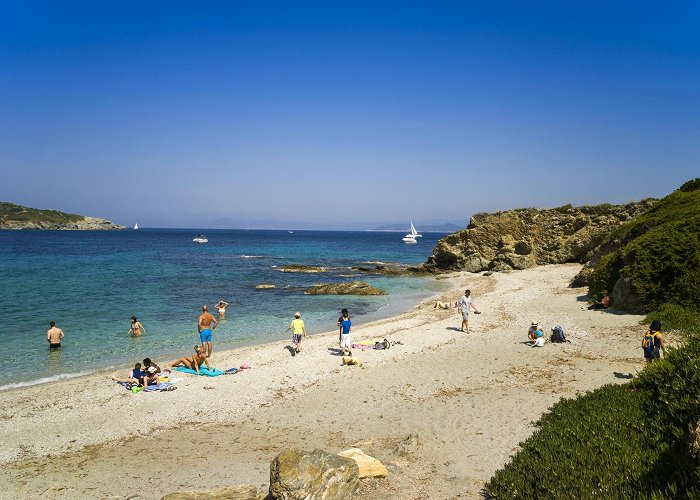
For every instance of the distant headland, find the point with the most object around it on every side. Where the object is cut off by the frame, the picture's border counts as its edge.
(18, 217)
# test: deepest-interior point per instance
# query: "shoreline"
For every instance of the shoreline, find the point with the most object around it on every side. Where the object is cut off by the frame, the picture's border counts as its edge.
(400, 305)
(469, 399)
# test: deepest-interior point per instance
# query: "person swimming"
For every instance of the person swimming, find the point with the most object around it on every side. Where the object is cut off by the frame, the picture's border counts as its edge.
(136, 327)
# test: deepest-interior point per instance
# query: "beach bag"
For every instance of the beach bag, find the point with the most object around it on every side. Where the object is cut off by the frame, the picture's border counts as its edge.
(558, 335)
(385, 344)
(648, 343)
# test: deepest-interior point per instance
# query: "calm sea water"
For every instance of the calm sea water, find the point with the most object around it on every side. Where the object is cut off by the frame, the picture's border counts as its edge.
(91, 282)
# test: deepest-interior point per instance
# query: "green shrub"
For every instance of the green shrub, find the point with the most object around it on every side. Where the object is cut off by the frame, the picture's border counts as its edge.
(597, 445)
(659, 251)
(606, 273)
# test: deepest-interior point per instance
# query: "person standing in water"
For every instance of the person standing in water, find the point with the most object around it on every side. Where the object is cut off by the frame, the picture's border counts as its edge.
(136, 327)
(54, 336)
(204, 325)
(221, 308)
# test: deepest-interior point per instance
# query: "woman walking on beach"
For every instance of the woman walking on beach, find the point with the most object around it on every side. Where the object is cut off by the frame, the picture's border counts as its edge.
(136, 327)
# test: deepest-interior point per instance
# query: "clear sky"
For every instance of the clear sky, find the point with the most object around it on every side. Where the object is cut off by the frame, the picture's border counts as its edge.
(343, 114)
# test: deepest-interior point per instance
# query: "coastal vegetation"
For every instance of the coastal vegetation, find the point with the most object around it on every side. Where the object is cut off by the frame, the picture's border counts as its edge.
(19, 217)
(641, 439)
(657, 253)
(18, 213)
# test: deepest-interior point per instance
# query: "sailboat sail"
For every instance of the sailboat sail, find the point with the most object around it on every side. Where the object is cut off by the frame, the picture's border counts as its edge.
(136, 226)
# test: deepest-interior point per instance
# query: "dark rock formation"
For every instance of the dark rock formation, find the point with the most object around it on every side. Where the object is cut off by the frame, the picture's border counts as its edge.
(301, 475)
(524, 238)
(345, 288)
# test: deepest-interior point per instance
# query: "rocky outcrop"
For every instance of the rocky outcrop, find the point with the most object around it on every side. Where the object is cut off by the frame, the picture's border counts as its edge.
(368, 466)
(524, 238)
(345, 288)
(238, 492)
(300, 268)
(18, 217)
(301, 475)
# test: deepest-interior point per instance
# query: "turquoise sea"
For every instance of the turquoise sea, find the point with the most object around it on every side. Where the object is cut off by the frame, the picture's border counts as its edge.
(91, 282)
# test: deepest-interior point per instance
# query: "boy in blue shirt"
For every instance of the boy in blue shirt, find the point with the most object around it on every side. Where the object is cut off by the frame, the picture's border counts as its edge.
(345, 324)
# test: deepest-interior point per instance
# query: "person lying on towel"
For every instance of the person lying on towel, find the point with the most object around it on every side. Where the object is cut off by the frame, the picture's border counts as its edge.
(193, 362)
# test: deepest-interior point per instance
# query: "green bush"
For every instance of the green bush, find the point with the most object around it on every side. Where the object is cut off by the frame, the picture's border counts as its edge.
(597, 445)
(659, 251)
(606, 273)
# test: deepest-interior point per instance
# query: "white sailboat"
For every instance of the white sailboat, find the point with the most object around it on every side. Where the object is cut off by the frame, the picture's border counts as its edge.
(136, 226)
(410, 238)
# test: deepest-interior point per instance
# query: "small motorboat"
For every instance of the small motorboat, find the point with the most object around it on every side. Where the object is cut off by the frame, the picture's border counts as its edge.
(200, 238)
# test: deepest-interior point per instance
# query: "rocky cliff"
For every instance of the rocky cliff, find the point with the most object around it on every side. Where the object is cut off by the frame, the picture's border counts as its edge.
(18, 217)
(523, 238)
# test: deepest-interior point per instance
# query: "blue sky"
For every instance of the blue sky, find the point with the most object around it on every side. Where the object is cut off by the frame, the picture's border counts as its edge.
(332, 114)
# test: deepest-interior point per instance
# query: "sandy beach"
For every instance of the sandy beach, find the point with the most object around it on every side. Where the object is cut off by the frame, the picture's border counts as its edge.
(443, 409)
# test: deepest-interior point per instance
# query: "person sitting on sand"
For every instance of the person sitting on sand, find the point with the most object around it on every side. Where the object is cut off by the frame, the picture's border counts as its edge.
(535, 334)
(151, 376)
(136, 327)
(193, 362)
(135, 376)
(603, 303)
(221, 307)
(147, 363)
(444, 305)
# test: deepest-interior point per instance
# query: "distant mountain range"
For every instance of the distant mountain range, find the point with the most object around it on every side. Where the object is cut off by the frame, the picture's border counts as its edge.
(428, 228)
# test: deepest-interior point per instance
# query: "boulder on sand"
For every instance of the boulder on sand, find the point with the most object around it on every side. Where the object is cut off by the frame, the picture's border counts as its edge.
(238, 492)
(369, 466)
(299, 475)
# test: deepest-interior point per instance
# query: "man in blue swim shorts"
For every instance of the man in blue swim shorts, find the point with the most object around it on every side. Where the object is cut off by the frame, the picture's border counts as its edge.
(204, 325)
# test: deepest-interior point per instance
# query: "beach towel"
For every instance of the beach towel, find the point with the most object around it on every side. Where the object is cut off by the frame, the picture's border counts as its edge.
(362, 347)
(160, 387)
(203, 370)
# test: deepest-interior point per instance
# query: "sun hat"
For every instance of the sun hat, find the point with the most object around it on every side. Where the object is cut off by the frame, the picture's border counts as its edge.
(152, 369)
(534, 323)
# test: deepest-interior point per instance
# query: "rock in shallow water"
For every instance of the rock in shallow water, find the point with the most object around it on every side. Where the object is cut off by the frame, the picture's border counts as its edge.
(346, 288)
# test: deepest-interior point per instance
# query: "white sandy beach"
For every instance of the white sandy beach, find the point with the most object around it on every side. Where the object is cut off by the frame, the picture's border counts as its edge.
(467, 401)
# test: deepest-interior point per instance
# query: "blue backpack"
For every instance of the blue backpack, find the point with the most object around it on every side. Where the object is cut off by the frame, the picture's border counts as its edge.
(558, 335)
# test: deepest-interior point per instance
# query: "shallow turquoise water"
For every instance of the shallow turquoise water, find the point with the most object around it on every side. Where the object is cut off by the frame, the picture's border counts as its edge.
(91, 282)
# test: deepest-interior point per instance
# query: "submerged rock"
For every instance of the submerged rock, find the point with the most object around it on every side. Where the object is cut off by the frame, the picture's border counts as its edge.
(300, 268)
(346, 288)
(300, 475)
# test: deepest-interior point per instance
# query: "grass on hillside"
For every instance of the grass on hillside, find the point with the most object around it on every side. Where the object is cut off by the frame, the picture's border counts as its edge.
(10, 212)
(659, 251)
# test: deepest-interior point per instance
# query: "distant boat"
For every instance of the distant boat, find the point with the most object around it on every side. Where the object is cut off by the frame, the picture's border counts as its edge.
(291, 232)
(200, 238)
(136, 226)
(410, 238)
